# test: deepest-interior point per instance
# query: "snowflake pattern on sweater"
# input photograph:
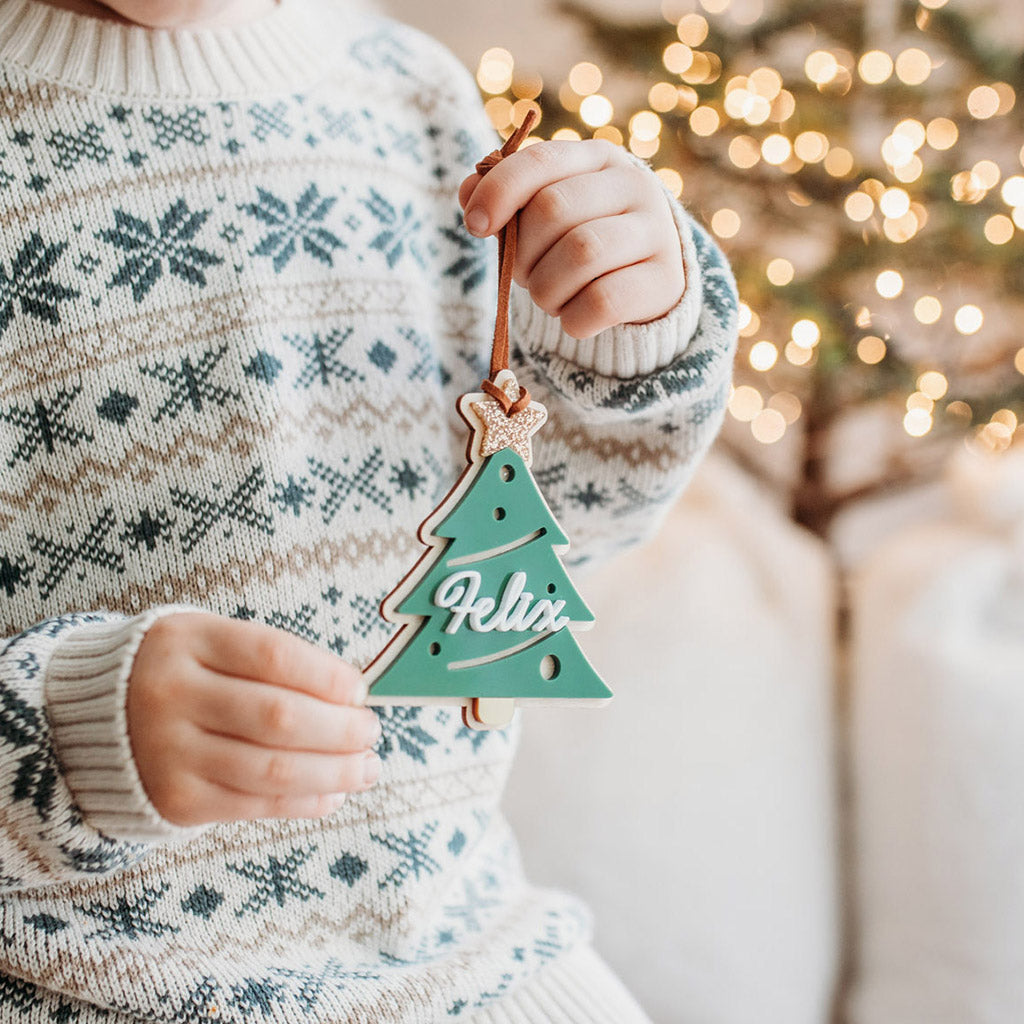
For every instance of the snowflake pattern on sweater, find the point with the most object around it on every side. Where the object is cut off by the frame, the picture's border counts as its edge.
(233, 327)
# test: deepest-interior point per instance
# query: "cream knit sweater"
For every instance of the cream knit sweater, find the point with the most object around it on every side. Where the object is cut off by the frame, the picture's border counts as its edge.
(236, 308)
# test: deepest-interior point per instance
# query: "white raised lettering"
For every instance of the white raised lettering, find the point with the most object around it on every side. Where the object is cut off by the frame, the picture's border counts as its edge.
(515, 612)
(458, 592)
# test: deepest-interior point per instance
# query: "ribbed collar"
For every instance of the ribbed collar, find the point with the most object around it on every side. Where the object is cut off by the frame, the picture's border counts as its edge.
(285, 50)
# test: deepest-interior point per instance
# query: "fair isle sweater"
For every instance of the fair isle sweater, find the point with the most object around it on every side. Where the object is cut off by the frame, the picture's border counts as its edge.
(237, 306)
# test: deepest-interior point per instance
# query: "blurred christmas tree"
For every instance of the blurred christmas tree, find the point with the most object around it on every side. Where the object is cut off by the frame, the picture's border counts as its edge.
(861, 163)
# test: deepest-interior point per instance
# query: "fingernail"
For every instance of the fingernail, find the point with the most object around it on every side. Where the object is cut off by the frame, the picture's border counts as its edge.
(336, 800)
(362, 691)
(476, 222)
(371, 769)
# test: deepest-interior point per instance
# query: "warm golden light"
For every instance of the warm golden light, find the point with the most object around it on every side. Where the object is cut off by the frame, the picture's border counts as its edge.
(744, 151)
(645, 125)
(609, 133)
(677, 58)
(787, 404)
(763, 356)
(585, 78)
(917, 422)
(839, 162)
(527, 86)
(913, 66)
(779, 271)
(999, 229)
(987, 173)
(494, 72)
(965, 187)
(672, 180)
(811, 147)
(942, 133)
(928, 309)
(796, 355)
(704, 121)
(933, 384)
(871, 350)
(596, 110)
(776, 149)
(1012, 191)
(983, 102)
(768, 426)
(766, 82)
(968, 319)
(692, 29)
(663, 97)
(499, 111)
(889, 284)
(806, 333)
(894, 202)
(725, 223)
(859, 206)
(749, 321)
(643, 148)
(919, 400)
(821, 67)
(875, 67)
(745, 403)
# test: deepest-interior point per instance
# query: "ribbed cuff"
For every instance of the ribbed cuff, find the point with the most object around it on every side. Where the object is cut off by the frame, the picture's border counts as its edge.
(629, 350)
(86, 688)
(579, 988)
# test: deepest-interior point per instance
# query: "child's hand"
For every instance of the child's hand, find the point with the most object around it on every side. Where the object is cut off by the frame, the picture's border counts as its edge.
(597, 242)
(233, 720)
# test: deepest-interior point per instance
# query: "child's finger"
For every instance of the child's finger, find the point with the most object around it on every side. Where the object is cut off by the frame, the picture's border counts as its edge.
(252, 650)
(585, 253)
(467, 187)
(558, 208)
(265, 771)
(278, 717)
(520, 176)
(633, 294)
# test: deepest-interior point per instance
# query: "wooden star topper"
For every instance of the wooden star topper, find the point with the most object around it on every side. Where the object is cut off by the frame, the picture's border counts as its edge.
(492, 429)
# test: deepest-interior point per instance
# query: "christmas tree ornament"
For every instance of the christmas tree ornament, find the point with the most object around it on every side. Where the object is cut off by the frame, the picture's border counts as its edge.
(486, 613)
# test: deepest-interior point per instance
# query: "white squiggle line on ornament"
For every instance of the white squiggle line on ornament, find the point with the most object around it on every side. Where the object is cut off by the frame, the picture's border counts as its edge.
(494, 552)
(473, 662)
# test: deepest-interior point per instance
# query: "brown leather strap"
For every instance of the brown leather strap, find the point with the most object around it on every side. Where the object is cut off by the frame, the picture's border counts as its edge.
(506, 259)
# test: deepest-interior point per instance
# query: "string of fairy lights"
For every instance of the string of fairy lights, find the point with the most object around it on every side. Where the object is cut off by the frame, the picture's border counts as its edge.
(783, 120)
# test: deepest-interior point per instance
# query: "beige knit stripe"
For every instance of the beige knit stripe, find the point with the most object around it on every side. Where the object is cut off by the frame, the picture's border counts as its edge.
(360, 414)
(634, 453)
(182, 178)
(11, 825)
(31, 366)
(414, 796)
(240, 435)
(264, 567)
(128, 971)
(38, 97)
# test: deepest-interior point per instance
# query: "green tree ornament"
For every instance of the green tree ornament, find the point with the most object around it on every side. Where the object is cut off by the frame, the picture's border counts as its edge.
(486, 612)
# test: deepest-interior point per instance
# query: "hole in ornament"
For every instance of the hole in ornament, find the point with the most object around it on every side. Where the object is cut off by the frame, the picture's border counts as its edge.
(550, 666)
(551, 588)
(506, 473)
(435, 648)
(499, 514)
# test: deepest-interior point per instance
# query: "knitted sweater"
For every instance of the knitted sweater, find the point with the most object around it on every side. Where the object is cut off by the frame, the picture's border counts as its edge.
(237, 306)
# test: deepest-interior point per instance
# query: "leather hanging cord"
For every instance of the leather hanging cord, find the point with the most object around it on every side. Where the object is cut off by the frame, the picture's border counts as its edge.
(506, 259)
